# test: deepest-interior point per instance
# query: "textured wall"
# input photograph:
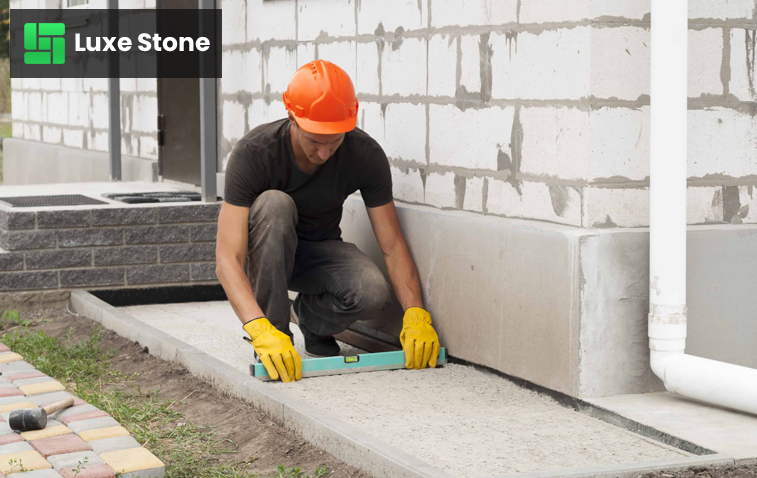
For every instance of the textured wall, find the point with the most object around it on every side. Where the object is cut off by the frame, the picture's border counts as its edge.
(73, 112)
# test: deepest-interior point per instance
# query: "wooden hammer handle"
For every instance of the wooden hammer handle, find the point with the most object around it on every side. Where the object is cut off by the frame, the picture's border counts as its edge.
(54, 407)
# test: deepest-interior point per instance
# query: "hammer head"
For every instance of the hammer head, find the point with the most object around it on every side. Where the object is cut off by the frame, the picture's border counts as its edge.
(28, 419)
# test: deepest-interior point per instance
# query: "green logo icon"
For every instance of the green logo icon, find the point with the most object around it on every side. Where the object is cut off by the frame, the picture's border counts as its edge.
(46, 42)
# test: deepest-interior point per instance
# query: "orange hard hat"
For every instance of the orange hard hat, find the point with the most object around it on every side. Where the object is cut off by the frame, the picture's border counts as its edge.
(322, 98)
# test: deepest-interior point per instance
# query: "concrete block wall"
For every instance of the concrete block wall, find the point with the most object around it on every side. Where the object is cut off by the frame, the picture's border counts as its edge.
(73, 112)
(106, 247)
(534, 109)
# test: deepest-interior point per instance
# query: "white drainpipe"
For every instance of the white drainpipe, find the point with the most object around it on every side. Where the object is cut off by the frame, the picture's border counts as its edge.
(701, 379)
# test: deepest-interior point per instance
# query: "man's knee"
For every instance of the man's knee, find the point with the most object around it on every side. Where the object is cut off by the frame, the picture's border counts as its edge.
(369, 292)
(273, 208)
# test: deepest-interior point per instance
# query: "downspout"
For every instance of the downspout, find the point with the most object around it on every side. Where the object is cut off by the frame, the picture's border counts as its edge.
(697, 378)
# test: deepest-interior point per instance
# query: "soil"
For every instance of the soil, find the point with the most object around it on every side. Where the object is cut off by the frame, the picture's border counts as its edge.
(256, 436)
(749, 471)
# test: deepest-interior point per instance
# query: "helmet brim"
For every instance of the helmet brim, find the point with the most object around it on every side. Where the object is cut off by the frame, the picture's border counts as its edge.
(323, 127)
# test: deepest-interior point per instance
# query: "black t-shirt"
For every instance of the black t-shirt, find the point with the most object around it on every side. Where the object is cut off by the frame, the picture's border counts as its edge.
(263, 159)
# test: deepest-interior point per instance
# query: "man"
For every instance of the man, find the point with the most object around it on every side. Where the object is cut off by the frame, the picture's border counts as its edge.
(286, 183)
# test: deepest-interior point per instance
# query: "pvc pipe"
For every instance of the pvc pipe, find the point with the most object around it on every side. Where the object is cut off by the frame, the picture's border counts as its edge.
(701, 379)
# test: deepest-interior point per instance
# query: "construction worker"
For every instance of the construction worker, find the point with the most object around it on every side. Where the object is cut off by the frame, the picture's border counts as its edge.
(286, 183)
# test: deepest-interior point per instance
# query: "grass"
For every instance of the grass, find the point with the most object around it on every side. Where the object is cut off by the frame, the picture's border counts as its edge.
(185, 447)
(6, 130)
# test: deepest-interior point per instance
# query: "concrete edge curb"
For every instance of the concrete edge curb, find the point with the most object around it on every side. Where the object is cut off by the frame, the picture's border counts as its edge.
(631, 469)
(342, 440)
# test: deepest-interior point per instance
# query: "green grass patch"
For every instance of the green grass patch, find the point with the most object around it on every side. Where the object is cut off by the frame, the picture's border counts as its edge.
(185, 447)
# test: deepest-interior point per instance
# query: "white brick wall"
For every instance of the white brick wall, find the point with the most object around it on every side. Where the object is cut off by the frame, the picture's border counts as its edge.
(390, 14)
(339, 21)
(551, 65)
(620, 143)
(543, 11)
(470, 138)
(473, 12)
(705, 62)
(704, 204)
(721, 9)
(442, 54)
(404, 68)
(470, 63)
(241, 71)
(534, 201)
(440, 190)
(474, 197)
(721, 142)
(620, 62)
(615, 207)
(367, 76)
(343, 54)
(279, 68)
(743, 81)
(272, 21)
(405, 132)
(407, 186)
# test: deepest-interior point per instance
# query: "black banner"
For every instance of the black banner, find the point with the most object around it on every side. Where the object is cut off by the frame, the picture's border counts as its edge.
(94, 43)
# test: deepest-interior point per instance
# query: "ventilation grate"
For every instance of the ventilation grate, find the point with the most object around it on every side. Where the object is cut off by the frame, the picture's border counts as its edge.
(165, 196)
(44, 201)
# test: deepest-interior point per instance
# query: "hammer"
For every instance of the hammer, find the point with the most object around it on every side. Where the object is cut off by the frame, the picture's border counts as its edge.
(35, 418)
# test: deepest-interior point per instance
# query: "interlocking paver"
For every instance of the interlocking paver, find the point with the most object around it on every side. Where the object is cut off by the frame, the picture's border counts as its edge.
(29, 381)
(30, 459)
(75, 410)
(60, 445)
(72, 460)
(49, 473)
(84, 416)
(18, 366)
(11, 391)
(92, 423)
(23, 402)
(4, 348)
(48, 431)
(48, 398)
(7, 357)
(10, 438)
(45, 387)
(133, 459)
(7, 400)
(15, 447)
(25, 375)
(102, 433)
(89, 471)
(113, 444)
(5, 429)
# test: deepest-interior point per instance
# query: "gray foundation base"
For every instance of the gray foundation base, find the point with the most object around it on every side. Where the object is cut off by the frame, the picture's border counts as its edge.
(34, 162)
(562, 307)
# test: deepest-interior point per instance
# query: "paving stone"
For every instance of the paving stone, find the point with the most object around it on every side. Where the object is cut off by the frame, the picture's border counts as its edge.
(15, 447)
(58, 259)
(5, 429)
(92, 423)
(19, 402)
(25, 375)
(194, 213)
(7, 384)
(92, 277)
(10, 373)
(10, 392)
(157, 234)
(45, 387)
(203, 232)
(75, 410)
(89, 471)
(48, 431)
(11, 438)
(206, 271)
(23, 241)
(124, 216)
(109, 256)
(113, 444)
(70, 218)
(18, 406)
(11, 261)
(134, 459)
(4, 348)
(16, 366)
(91, 237)
(29, 381)
(72, 460)
(84, 416)
(103, 433)
(49, 473)
(157, 274)
(59, 445)
(48, 398)
(7, 357)
(30, 459)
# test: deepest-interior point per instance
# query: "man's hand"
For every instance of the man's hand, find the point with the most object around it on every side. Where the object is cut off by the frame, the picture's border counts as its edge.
(419, 340)
(275, 350)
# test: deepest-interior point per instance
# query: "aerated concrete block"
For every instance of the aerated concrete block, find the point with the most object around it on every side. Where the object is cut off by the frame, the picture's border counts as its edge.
(440, 190)
(442, 53)
(473, 12)
(405, 132)
(367, 81)
(556, 142)
(391, 14)
(705, 62)
(341, 53)
(339, 22)
(619, 143)
(545, 11)
(719, 143)
(403, 69)
(273, 21)
(721, 9)
(620, 62)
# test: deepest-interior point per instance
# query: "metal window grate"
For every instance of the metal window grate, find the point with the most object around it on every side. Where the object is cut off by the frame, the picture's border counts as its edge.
(161, 196)
(44, 201)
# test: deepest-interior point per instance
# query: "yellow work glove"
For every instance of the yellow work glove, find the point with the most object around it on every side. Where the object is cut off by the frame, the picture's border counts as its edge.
(275, 350)
(419, 340)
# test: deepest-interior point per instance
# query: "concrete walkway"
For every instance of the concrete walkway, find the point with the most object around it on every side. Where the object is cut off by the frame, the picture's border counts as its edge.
(465, 422)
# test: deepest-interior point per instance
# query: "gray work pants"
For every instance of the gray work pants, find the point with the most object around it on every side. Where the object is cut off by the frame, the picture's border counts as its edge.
(337, 284)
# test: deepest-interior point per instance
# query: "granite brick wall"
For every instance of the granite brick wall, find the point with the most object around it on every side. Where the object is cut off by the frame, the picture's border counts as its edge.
(107, 248)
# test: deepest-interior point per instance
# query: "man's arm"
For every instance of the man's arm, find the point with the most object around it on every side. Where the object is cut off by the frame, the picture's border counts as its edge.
(402, 271)
(231, 253)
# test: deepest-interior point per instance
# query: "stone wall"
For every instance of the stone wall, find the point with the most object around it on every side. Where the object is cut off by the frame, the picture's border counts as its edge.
(107, 247)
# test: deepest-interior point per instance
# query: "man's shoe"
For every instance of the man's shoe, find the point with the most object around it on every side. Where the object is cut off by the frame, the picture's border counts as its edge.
(316, 345)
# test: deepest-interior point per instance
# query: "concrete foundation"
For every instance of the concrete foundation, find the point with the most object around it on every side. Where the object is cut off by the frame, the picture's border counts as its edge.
(565, 308)
(34, 162)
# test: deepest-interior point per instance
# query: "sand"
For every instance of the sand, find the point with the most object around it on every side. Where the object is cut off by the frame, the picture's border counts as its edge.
(463, 421)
